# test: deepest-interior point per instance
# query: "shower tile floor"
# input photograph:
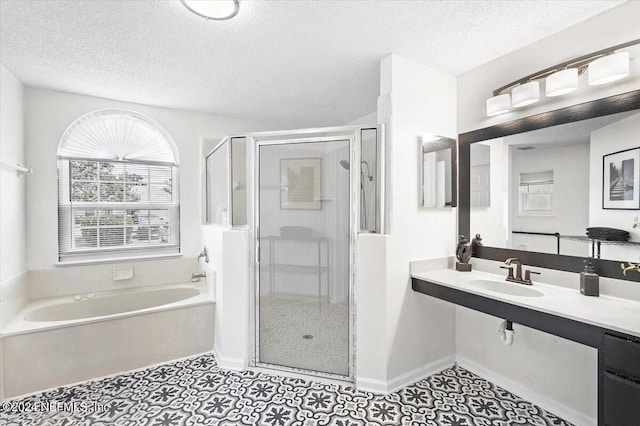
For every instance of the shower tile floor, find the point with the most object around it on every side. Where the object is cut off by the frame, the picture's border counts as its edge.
(286, 319)
(195, 391)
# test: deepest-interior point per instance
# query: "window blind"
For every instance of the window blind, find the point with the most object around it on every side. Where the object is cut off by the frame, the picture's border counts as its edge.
(105, 206)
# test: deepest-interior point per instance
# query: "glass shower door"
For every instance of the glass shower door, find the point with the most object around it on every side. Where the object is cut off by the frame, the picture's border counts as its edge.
(303, 267)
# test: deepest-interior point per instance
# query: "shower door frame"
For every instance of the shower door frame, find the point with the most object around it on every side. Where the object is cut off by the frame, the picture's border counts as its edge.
(334, 134)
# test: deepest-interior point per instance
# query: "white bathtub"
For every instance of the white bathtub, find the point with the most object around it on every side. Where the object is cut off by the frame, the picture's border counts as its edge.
(110, 304)
(62, 340)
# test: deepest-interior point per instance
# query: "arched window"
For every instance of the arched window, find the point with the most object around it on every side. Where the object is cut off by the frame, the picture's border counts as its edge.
(117, 188)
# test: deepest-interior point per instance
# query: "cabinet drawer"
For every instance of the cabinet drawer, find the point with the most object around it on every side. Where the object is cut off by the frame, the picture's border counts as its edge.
(621, 401)
(622, 355)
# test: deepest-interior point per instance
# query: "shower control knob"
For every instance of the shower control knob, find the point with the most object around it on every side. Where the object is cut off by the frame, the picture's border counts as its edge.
(77, 298)
(91, 295)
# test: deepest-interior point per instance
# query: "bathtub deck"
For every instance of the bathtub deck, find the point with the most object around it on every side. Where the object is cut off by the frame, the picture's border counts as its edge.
(195, 391)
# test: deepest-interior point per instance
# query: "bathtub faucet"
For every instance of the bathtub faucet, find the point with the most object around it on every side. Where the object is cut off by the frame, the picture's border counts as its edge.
(197, 276)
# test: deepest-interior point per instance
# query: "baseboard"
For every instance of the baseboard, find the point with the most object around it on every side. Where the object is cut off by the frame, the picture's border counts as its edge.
(568, 414)
(226, 363)
(406, 379)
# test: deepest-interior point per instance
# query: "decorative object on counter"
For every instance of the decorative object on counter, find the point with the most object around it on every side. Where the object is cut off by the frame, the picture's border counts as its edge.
(629, 267)
(621, 180)
(477, 241)
(463, 254)
(589, 280)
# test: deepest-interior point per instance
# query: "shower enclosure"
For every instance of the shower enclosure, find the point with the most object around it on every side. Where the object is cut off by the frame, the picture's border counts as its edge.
(303, 204)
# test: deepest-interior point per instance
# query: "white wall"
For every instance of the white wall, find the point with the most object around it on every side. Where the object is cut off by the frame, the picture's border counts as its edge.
(564, 365)
(419, 329)
(13, 255)
(624, 134)
(555, 373)
(371, 312)
(228, 257)
(615, 26)
(370, 119)
(13, 234)
(48, 113)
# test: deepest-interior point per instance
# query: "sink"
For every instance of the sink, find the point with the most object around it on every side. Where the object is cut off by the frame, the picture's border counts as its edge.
(504, 287)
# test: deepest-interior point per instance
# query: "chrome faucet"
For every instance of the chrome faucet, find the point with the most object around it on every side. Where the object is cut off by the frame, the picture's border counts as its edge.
(518, 276)
(197, 276)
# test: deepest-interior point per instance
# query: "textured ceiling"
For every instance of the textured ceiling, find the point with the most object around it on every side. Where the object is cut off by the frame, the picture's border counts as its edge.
(294, 63)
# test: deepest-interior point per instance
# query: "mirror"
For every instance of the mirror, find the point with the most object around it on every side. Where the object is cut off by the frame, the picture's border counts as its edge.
(438, 171)
(549, 190)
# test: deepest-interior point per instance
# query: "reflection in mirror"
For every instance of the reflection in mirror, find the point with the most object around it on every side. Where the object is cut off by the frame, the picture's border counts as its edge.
(480, 175)
(546, 188)
(438, 177)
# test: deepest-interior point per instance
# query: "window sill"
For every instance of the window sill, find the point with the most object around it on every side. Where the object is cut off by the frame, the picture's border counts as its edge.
(117, 260)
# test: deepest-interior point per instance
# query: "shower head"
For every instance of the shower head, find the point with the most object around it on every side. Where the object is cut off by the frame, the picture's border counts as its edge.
(368, 170)
(347, 166)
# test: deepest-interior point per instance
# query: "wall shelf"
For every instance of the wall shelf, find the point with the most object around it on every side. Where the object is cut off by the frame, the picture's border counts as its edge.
(597, 243)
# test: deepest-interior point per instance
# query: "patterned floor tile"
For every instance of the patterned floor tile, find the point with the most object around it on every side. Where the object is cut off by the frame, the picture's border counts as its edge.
(195, 391)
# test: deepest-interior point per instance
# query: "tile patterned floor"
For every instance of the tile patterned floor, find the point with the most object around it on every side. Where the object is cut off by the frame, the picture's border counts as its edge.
(196, 392)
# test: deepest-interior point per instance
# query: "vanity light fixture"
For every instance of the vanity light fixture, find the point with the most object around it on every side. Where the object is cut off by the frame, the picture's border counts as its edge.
(498, 104)
(561, 82)
(525, 94)
(604, 66)
(609, 68)
(217, 10)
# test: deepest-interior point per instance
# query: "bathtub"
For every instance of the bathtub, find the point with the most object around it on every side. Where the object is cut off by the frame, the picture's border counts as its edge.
(67, 339)
(90, 306)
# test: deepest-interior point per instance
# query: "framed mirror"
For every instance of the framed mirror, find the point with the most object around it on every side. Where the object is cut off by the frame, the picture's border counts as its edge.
(558, 187)
(438, 180)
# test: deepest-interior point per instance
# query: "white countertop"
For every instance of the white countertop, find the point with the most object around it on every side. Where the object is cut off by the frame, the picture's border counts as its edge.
(608, 312)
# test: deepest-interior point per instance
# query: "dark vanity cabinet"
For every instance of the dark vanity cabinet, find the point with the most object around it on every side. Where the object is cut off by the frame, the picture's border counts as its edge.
(621, 381)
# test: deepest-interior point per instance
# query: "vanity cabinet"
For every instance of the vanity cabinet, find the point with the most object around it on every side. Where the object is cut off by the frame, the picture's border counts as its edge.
(618, 353)
(621, 377)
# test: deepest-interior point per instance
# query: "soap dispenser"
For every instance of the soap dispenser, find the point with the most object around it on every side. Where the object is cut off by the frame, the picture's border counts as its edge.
(589, 280)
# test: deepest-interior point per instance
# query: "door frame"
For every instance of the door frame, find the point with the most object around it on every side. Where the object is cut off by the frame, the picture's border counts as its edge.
(352, 135)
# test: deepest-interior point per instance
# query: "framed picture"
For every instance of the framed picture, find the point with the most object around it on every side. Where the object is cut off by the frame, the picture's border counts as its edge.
(300, 183)
(621, 180)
